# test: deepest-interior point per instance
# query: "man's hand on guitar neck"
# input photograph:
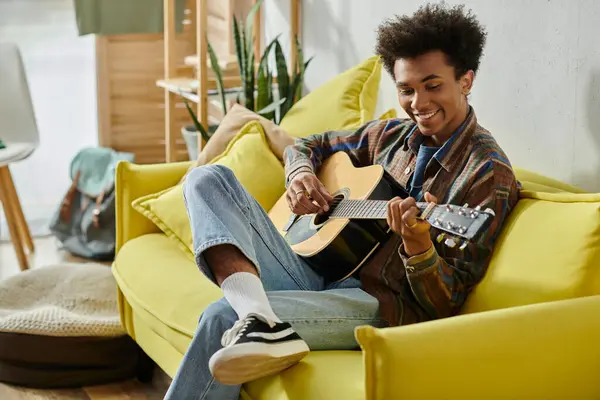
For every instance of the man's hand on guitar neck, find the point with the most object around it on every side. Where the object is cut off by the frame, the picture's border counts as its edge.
(402, 219)
(304, 191)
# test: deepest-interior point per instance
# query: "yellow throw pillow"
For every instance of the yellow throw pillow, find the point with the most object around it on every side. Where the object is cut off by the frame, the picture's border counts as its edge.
(389, 114)
(346, 101)
(249, 157)
(549, 249)
(524, 175)
(236, 118)
(538, 187)
(254, 165)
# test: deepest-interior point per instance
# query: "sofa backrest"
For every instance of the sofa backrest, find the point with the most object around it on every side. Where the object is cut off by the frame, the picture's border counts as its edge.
(549, 249)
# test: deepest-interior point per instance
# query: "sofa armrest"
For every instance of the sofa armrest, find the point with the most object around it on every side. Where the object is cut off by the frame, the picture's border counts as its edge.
(542, 351)
(133, 181)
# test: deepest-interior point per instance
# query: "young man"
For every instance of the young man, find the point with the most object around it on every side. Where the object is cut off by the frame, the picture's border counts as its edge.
(275, 307)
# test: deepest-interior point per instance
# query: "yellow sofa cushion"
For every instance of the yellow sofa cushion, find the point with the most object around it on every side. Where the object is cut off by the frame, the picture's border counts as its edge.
(158, 278)
(344, 102)
(321, 375)
(549, 249)
(251, 160)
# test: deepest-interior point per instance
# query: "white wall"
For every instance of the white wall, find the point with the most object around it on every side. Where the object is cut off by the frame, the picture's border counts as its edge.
(60, 68)
(538, 89)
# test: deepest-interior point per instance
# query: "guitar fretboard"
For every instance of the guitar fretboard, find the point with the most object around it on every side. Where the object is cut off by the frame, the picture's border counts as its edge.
(363, 209)
(371, 209)
(461, 221)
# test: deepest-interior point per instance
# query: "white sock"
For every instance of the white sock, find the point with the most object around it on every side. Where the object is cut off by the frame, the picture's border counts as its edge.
(245, 293)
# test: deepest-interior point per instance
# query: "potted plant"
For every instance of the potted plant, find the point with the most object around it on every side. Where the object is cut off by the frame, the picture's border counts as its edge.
(258, 92)
(190, 133)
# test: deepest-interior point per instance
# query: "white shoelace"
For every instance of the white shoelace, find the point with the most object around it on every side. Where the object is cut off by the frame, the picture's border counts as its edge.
(236, 331)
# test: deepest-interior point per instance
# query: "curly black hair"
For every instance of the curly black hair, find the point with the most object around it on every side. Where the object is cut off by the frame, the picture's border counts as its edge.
(433, 27)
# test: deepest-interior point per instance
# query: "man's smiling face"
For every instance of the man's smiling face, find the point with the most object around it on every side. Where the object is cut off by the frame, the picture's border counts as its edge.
(431, 95)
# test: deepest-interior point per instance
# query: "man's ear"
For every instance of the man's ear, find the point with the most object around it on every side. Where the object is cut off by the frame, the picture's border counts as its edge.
(466, 82)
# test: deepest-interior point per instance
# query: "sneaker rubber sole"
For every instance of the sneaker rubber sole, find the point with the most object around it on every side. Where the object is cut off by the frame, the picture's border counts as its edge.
(246, 362)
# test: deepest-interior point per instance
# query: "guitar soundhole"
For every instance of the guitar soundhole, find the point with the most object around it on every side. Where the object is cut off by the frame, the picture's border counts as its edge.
(322, 218)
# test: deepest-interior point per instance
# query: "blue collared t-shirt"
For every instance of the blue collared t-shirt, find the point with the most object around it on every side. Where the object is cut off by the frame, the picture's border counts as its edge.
(426, 153)
(423, 156)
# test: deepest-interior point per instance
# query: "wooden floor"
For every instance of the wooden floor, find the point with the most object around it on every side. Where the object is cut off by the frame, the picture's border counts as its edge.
(47, 254)
(130, 390)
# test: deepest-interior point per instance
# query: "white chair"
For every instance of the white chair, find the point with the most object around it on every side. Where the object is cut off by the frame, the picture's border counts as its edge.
(18, 131)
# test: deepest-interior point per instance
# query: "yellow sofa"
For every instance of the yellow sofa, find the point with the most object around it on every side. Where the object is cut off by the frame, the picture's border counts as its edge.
(529, 330)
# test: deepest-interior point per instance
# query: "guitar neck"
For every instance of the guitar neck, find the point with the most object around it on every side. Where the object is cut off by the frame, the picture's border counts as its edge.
(364, 209)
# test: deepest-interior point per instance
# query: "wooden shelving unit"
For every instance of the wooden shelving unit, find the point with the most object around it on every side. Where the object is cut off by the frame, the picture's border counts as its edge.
(131, 115)
(212, 17)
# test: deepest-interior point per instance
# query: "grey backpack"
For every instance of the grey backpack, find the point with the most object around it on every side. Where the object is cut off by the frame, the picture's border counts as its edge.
(85, 220)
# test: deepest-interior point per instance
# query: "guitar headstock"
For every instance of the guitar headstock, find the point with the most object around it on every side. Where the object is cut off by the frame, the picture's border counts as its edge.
(458, 223)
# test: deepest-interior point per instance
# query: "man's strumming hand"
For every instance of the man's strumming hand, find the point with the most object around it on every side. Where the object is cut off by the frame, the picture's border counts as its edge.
(306, 195)
(402, 219)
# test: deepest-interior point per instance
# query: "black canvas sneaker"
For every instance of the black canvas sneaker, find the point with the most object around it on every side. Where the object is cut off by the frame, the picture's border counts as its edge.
(255, 347)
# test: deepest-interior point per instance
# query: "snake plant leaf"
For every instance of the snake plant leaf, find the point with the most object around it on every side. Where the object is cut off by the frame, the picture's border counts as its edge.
(300, 66)
(294, 88)
(271, 107)
(250, 80)
(248, 41)
(238, 50)
(197, 123)
(265, 56)
(271, 115)
(262, 91)
(246, 79)
(283, 79)
(262, 96)
(214, 62)
(250, 23)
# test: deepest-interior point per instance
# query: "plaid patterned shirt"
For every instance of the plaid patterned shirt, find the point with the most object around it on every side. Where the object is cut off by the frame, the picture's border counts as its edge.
(469, 168)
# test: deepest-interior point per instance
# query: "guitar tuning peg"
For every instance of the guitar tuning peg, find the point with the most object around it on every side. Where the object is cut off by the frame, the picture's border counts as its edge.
(440, 237)
(463, 245)
(466, 205)
(450, 243)
(478, 208)
(490, 211)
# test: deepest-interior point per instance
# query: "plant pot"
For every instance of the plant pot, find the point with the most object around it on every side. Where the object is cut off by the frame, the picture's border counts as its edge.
(191, 136)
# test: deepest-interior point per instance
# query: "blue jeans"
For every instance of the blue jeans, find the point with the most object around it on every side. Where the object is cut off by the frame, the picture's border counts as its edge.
(324, 315)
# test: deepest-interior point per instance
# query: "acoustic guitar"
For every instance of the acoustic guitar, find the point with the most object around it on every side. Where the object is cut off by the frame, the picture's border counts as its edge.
(337, 243)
